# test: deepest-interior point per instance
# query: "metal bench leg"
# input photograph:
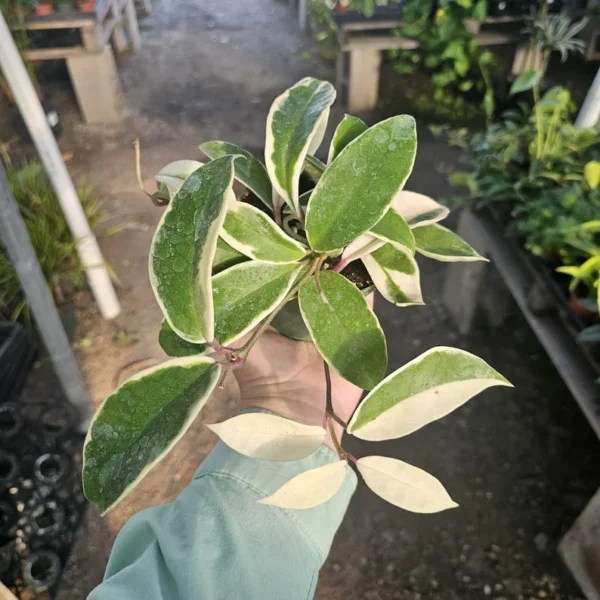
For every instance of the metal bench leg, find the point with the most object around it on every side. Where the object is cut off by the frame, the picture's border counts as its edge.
(363, 85)
(302, 14)
(97, 86)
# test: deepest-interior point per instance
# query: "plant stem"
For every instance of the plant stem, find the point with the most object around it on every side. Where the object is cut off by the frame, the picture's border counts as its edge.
(245, 349)
(340, 266)
(138, 166)
(322, 259)
(336, 443)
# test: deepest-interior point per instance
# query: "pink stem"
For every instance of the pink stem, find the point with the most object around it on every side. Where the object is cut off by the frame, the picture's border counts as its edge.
(341, 265)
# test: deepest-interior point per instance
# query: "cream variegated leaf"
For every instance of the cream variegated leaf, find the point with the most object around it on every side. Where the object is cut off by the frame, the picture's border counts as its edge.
(396, 275)
(172, 176)
(419, 210)
(253, 233)
(361, 246)
(439, 243)
(184, 246)
(269, 437)
(424, 390)
(309, 489)
(403, 485)
(140, 422)
(294, 124)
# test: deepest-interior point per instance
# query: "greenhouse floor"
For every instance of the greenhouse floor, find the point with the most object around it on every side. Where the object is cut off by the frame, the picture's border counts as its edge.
(521, 463)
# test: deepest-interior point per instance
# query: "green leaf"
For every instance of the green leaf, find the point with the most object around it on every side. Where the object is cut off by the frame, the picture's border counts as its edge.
(394, 229)
(255, 234)
(171, 177)
(314, 168)
(140, 422)
(480, 10)
(225, 257)
(525, 81)
(377, 163)
(425, 389)
(184, 247)
(591, 172)
(246, 294)
(419, 210)
(289, 322)
(294, 123)
(345, 330)
(489, 103)
(439, 243)
(395, 274)
(348, 130)
(248, 169)
(173, 345)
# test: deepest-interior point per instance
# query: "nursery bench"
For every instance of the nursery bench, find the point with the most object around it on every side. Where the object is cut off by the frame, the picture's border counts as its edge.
(365, 41)
(91, 64)
(470, 286)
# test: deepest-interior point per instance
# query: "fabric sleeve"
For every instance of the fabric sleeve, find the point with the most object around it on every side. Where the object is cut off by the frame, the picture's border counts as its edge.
(216, 542)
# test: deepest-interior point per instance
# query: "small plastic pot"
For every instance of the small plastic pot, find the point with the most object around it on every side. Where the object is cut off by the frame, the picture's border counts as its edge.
(41, 570)
(43, 10)
(87, 6)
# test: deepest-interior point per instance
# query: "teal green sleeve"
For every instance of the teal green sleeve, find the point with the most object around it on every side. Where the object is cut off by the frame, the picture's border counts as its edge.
(215, 542)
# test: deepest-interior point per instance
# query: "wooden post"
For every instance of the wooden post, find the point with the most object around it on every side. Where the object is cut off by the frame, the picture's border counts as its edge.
(96, 86)
(363, 85)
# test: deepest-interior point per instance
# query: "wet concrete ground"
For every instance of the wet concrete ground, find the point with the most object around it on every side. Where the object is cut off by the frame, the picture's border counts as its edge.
(521, 463)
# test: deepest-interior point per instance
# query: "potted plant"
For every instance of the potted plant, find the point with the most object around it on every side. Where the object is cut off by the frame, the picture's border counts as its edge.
(43, 9)
(281, 246)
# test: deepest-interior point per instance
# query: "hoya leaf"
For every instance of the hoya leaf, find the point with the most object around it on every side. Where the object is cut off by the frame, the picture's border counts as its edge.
(394, 229)
(403, 485)
(246, 294)
(419, 210)
(525, 81)
(184, 247)
(226, 256)
(348, 130)
(311, 488)
(140, 422)
(591, 172)
(248, 169)
(356, 190)
(313, 167)
(345, 330)
(293, 122)
(172, 176)
(269, 437)
(289, 322)
(173, 345)
(255, 234)
(439, 243)
(425, 389)
(395, 273)
(361, 246)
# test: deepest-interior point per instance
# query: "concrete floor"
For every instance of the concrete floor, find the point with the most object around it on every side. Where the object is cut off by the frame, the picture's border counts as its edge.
(521, 463)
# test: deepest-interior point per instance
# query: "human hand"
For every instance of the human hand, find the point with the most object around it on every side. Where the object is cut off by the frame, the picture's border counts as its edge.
(288, 378)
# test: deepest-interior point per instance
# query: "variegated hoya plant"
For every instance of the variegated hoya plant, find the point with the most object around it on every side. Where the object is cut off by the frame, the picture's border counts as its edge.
(286, 252)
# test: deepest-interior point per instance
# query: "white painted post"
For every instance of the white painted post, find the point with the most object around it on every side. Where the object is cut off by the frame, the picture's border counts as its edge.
(31, 110)
(589, 114)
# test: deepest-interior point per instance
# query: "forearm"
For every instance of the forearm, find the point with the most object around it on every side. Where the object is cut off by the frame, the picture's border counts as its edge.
(215, 541)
